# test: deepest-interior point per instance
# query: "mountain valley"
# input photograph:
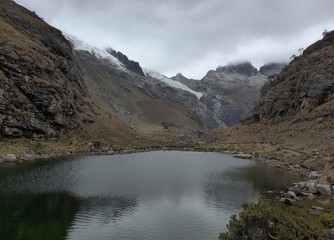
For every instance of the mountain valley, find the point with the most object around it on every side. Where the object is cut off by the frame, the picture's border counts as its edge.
(60, 95)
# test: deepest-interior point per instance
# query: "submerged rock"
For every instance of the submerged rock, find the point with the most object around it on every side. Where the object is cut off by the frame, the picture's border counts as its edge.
(243, 156)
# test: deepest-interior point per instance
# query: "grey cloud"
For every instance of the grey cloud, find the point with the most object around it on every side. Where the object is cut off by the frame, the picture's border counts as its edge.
(192, 36)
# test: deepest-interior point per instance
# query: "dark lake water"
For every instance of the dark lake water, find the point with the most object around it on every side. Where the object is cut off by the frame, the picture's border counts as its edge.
(152, 195)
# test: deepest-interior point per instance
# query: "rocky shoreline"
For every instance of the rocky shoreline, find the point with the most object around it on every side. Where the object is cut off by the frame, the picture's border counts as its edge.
(313, 187)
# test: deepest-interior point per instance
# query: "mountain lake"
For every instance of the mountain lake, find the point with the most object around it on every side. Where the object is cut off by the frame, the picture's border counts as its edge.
(147, 195)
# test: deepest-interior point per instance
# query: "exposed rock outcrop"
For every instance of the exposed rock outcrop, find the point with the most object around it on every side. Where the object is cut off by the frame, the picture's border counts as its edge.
(303, 86)
(129, 64)
(271, 69)
(229, 92)
(41, 86)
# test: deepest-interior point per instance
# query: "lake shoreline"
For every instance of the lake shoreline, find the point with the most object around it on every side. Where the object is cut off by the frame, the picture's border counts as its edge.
(288, 196)
(27, 158)
(310, 175)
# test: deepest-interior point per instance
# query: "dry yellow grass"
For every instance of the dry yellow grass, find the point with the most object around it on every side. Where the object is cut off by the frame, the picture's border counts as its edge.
(298, 140)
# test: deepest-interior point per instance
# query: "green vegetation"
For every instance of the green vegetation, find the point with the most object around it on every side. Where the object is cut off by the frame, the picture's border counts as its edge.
(327, 219)
(268, 220)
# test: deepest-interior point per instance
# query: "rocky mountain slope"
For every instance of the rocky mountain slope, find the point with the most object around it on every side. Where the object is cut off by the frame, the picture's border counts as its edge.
(41, 86)
(43, 92)
(294, 117)
(304, 86)
(230, 91)
(143, 102)
(220, 99)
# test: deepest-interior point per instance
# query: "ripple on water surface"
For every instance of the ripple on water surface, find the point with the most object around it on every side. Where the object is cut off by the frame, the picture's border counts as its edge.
(153, 195)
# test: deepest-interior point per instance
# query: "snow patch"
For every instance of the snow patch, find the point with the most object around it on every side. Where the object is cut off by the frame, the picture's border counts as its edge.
(97, 52)
(171, 82)
(103, 54)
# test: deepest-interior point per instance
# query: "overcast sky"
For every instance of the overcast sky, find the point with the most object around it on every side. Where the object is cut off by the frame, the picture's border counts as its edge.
(192, 36)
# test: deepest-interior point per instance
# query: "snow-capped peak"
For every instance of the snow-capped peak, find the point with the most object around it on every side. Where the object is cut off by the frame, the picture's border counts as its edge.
(171, 82)
(97, 52)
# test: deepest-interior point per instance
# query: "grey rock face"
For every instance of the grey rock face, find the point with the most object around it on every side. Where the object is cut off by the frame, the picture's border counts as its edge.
(129, 64)
(40, 81)
(306, 83)
(229, 93)
(246, 69)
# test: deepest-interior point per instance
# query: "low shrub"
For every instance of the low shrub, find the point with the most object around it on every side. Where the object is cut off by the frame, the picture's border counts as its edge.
(327, 219)
(268, 220)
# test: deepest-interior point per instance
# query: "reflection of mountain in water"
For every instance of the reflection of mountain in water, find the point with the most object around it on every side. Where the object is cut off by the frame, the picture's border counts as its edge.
(40, 216)
(229, 190)
(265, 178)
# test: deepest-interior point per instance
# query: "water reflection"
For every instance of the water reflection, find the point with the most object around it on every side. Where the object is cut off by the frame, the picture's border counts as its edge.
(229, 190)
(266, 178)
(36, 216)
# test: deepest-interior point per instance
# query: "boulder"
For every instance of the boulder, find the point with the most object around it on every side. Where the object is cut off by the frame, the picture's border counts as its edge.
(318, 208)
(314, 212)
(324, 189)
(292, 194)
(288, 201)
(296, 190)
(9, 158)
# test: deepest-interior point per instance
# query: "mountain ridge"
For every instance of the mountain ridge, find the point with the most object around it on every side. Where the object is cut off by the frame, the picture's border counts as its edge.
(229, 91)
